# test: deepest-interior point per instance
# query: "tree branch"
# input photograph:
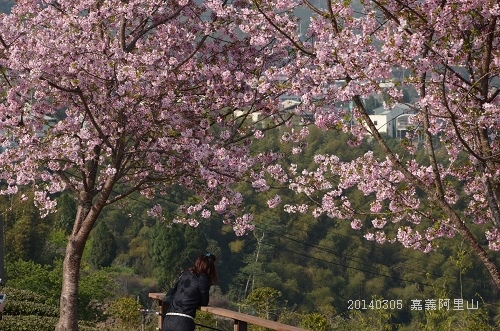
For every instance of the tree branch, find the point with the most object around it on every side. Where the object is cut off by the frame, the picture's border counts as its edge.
(144, 31)
(295, 43)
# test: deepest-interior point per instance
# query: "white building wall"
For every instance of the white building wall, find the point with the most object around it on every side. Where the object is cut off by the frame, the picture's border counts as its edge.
(385, 119)
(382, 123)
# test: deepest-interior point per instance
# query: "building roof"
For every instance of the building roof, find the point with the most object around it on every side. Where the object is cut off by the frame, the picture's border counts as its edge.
(399, 108)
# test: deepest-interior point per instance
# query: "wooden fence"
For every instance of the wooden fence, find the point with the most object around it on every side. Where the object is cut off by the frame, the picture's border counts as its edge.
(241, 320)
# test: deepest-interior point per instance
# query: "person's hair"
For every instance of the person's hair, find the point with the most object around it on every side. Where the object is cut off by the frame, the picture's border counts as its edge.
(205, 264)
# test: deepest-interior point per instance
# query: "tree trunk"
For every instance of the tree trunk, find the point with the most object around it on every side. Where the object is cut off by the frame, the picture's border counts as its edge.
(481, 253)
(86, 216)
(68, 318)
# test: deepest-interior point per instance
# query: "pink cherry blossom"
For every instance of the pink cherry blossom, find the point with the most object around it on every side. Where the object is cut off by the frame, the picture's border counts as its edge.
(274, 202)
(356, 224)
(448, 158)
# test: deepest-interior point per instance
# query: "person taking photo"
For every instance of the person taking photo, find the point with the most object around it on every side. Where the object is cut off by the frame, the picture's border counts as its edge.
(191, 291)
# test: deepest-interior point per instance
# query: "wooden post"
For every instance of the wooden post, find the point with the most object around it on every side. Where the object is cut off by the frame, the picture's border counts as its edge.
(162, 310)
(240, 325)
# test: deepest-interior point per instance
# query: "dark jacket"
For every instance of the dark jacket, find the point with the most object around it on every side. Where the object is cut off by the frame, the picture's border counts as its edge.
(192, 292)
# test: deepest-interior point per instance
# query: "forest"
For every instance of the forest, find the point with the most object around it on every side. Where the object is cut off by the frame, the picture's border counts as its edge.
(317, 273)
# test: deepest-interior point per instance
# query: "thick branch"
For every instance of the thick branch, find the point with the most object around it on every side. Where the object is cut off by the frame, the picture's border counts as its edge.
(332, 16)
(193, 53)
(92, 119)
(4, 44)
(121, 33)
(382, 143)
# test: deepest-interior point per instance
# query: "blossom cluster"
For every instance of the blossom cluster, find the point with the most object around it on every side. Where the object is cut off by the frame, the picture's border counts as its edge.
(447, 161)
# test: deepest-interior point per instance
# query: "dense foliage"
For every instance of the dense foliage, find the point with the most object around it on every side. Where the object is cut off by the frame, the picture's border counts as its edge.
(28, 310)
(103, 247)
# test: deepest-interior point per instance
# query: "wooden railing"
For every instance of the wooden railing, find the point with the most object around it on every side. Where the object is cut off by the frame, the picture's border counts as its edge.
(241, 320)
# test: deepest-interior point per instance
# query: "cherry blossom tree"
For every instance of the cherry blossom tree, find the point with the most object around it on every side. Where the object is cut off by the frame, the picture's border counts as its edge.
(107, 98)
(443, 179)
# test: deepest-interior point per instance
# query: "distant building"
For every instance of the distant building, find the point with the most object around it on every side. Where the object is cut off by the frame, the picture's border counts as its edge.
(289, 104)
(393, 121)
(254, 117)
(402, 122)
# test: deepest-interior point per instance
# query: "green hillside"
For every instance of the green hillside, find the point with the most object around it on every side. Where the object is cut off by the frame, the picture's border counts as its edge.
(313, 271)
